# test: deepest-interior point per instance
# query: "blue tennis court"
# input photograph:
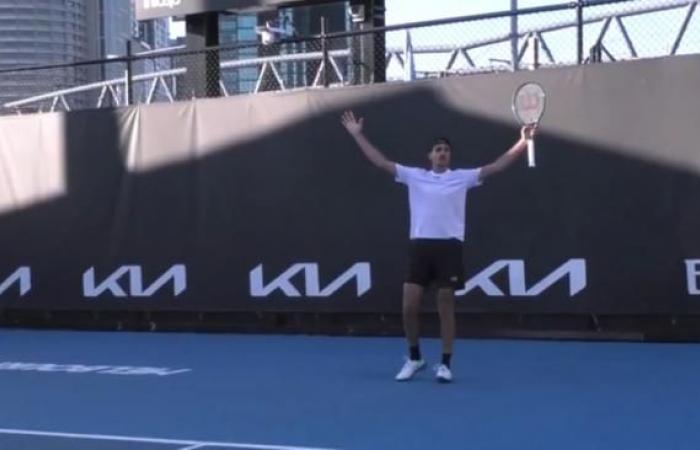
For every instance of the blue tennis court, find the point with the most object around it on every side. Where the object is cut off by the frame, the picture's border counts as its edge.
(113, 391)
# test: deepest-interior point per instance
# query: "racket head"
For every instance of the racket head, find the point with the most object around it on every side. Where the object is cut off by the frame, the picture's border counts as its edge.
(529, 101)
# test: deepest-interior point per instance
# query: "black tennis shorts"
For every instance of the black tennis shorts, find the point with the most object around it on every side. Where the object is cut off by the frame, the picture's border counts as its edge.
(436, 261)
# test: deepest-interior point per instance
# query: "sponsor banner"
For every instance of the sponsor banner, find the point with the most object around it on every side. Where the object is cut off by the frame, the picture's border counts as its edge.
(307, 284)
(264, 203)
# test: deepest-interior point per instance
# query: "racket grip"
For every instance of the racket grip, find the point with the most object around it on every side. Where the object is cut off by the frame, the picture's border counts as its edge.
(530, 153)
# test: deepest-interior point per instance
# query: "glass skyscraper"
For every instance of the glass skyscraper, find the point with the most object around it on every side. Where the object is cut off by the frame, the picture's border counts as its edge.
(39, 32)
(44, 32)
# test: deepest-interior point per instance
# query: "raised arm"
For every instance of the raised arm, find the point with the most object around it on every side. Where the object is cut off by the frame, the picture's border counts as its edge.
(354, 127)
(509, 157)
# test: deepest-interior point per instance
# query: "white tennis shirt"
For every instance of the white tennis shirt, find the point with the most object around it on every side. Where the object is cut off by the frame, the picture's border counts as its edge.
(437, 201)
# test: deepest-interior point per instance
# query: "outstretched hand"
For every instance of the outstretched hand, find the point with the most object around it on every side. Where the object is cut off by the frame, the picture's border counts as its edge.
(352, 124)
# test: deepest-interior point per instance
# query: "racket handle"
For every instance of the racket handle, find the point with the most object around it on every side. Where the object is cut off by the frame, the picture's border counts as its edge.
(530, 153)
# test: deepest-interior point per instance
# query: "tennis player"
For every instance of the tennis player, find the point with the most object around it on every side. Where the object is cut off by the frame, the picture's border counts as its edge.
(437, 202)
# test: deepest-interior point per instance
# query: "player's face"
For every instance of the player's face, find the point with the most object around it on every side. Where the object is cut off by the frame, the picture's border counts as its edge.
(440, 155)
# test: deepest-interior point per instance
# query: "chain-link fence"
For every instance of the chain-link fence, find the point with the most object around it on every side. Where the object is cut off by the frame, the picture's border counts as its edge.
(562, 34)
(642, 29)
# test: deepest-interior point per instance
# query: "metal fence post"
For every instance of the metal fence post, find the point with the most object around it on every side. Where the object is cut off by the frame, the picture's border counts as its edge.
(324, 50)
(129, 75)
(514, 34)
(579, 32)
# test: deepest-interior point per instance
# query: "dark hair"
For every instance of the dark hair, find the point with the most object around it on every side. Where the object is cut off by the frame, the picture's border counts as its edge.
(440, 140)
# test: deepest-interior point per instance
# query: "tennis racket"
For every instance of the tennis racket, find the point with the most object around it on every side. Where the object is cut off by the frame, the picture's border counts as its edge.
(528, 107)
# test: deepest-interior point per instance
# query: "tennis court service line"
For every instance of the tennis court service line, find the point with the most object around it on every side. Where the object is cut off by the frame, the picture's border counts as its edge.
(185, 444)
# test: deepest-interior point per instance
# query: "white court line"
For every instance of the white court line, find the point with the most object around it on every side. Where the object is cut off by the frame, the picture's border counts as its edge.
(192, 447)
(187, 444)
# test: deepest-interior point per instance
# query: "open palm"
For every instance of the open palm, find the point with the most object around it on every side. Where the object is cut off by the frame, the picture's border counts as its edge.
(351, 123)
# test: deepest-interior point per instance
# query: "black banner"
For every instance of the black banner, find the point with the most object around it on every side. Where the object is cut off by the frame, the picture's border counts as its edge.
(264, 202)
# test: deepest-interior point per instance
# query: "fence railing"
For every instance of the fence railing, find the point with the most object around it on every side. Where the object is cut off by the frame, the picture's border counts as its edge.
(578, 32)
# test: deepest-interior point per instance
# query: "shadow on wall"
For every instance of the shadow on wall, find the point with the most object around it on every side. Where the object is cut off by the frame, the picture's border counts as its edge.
(225, 185)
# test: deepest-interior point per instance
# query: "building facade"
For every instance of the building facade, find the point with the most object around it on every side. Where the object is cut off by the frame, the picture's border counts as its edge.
(47, 32)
